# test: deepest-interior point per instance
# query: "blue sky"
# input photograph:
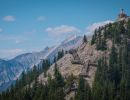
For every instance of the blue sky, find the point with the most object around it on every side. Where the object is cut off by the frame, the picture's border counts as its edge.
(31, 25)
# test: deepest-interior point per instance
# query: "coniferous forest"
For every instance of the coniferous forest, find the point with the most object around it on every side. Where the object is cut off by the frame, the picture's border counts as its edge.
(112, 78)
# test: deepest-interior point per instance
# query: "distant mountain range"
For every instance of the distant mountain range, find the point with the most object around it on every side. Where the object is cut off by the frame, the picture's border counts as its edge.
(10, 70)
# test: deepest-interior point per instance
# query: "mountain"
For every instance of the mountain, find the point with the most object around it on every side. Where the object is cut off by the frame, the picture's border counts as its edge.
(11, 70)
(66, 45)
(101, 69)
(86, 52)
(98, 69)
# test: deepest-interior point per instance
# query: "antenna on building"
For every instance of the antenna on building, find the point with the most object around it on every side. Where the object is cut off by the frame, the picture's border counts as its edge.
(122, 15)
(122, 11)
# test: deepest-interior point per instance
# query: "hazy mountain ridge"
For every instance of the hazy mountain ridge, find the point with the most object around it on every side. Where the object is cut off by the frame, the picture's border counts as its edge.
(11, 70)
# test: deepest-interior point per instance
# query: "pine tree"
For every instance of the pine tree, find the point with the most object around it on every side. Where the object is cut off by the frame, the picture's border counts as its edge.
(60, 54)
(81, 89)
(58, 77)
(85, 39)
(55, 59)
(94, 37)
(128, 28)
(84, 91)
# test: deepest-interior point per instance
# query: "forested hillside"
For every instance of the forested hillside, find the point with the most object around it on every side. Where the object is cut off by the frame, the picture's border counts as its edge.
(112, 77)
(112, 81)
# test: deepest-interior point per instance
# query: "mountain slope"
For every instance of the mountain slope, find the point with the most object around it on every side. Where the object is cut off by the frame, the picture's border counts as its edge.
(11, 70)
(86, 53)
(28, 60)
(106, 65)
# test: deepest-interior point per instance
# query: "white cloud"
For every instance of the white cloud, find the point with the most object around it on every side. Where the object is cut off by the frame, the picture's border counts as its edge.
(90, 29)
(41, 18)
(10, 53)
(63, 29)
(1, 30)
(9, 18)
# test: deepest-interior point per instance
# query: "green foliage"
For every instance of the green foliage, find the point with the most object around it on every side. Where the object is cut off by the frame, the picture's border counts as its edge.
(128, 28)
(93, 41)
(112, 80)
(36, 91)
(99, 39)
(84, 91)
(60, 54)
(58, 77)
(85, 39)
(45, 66)
(115, 32)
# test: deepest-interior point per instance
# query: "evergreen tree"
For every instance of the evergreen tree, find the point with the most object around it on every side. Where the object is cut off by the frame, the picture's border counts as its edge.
(81, 89)
(58, 77)
(128, 28)
(85, 39)
(60, 54)
(84, 91)
(94, 37)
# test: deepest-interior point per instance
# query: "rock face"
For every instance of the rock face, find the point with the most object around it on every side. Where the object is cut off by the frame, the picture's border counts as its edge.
(66, 67)
(86, 53)
(88, 56)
